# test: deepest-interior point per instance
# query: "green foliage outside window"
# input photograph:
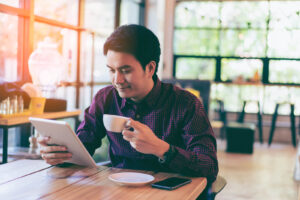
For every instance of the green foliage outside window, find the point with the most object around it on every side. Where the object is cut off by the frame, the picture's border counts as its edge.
(242, 34)
(234, 68)
(243, 43)
(194, 42)
(195, 68)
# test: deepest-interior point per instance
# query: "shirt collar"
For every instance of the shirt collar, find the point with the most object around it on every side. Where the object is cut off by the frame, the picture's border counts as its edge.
(151, 98)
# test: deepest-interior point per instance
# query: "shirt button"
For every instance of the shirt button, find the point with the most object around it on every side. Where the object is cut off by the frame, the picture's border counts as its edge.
(138, 116)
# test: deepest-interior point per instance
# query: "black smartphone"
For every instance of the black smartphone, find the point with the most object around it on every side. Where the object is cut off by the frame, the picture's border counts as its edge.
(171, 183)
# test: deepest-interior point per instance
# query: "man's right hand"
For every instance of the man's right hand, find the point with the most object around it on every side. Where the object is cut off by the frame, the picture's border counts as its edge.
(53, 155)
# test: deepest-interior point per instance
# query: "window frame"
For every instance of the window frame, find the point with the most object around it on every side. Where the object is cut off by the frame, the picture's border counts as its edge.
(218, 59)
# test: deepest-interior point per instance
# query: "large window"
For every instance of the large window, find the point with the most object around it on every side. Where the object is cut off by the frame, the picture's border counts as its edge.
(222, 42)
(63, 10)
(14, 3)
(99, 16)
(77, 28)
(8, 47)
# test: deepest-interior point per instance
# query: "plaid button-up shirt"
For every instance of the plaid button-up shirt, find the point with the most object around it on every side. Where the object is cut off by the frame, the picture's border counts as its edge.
(174, 115)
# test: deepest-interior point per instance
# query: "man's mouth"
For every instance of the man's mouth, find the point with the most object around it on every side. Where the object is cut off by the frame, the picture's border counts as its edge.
(122, 88)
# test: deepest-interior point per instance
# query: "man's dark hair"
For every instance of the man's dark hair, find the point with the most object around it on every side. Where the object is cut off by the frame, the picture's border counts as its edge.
(136, 40)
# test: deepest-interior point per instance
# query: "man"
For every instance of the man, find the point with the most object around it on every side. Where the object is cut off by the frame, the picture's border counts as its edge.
(168, 130)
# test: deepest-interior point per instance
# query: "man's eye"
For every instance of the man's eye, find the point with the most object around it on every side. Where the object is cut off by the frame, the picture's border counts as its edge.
(125, 71)
(111, 70)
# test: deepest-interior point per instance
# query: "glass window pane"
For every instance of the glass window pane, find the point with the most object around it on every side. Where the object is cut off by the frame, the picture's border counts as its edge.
(86, 52)
(236, 14)
(197, 14)
(67, 46)
(294, 93)
(238, 94)
(243, 43)
(284, 71)
(85, 99)
(62, 10)
(195, 68)
(8, 47)
(232, 102)
(277, 94)
(240, 69)
(284, 43)
(251, 94)
(284, 14)
(191, 42)
(101, 73)
(14, 3)
(130, 11)
(99, 16)
(69, 94)
(97, 88)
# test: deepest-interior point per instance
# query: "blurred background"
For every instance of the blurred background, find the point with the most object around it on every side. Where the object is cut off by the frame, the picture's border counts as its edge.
(248, 50)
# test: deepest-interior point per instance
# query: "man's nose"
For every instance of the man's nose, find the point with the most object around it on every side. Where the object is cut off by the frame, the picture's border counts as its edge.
(119, 78)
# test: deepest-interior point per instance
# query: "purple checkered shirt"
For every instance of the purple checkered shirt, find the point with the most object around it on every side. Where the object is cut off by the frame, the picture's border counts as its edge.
(174, 115)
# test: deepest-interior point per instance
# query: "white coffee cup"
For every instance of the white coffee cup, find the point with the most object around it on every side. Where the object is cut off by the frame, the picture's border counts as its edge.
(114, 123)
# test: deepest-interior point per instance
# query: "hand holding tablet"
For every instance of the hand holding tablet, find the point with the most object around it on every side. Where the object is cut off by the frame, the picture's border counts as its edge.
(60, 143)
(53, 154)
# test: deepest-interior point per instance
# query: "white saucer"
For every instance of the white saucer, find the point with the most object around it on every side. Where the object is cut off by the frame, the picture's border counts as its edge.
(131, 178)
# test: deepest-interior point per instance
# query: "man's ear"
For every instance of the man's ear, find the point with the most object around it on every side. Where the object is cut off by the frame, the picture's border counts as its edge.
(150, 68)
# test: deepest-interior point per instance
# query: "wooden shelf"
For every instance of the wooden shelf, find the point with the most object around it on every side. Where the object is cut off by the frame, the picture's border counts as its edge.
(23, 119)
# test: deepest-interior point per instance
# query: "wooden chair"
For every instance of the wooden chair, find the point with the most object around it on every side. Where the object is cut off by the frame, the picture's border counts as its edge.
(217, 186)
(212, 190)
(292, 119)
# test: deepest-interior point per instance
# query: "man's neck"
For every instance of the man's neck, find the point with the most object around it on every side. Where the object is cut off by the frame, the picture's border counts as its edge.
(151, 86)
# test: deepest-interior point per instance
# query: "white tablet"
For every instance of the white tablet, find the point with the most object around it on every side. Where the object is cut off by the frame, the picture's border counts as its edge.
(62, 134)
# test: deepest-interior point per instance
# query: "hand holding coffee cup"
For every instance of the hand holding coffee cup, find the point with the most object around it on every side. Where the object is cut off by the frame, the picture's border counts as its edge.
(114, 123)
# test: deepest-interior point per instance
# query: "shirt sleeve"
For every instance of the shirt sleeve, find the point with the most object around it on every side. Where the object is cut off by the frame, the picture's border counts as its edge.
(198, 157)
(91, 130)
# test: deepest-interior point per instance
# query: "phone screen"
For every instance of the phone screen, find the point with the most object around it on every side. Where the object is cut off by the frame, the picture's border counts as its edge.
(171, 183)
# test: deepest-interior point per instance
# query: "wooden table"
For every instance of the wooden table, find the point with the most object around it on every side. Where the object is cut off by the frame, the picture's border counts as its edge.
(34, 179)
(9, 122)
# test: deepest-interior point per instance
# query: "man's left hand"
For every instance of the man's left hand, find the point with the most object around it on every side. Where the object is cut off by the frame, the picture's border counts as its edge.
(144, 140)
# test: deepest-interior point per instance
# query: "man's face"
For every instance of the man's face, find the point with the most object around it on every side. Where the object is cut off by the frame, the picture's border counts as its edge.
(128, 76)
